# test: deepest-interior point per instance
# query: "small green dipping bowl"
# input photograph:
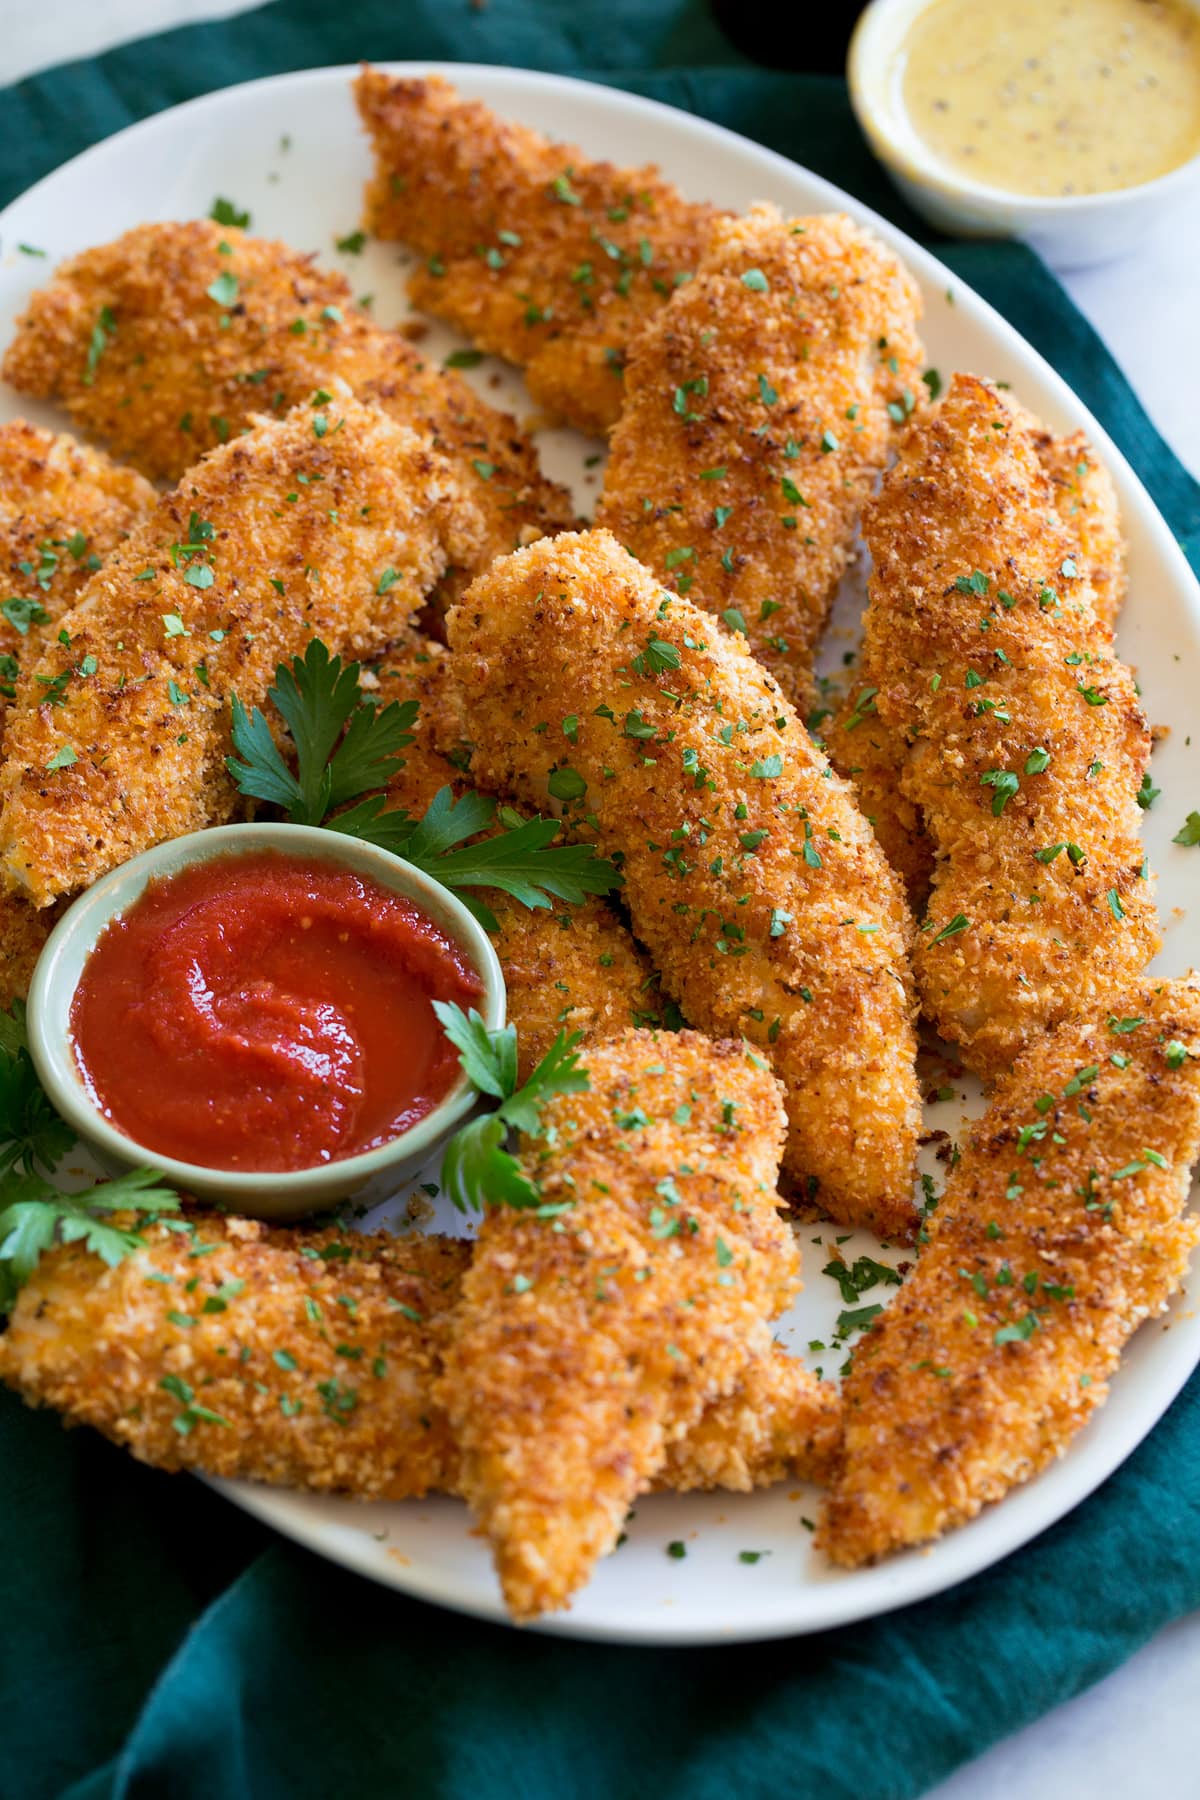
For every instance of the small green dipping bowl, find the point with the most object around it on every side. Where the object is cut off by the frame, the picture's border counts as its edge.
(290, 1193)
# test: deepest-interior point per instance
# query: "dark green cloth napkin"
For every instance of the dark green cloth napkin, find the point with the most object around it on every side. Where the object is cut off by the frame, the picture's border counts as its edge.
(154, 1642)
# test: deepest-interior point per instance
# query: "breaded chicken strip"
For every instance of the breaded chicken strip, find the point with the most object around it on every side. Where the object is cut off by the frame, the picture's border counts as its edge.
(589, 1338)
(23, 932)
(759, 408)
(296, 1358)
(566, 968)
(1060, 1231)
(871, 753)
(273, 1357)
(207, 327)
(333, 523)
(63, 507)
(757, 887)
(1027, 745)
(779, 1424)
(533, 250)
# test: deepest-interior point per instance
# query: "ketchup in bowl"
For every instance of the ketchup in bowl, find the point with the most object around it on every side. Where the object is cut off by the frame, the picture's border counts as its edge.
(266, 1012)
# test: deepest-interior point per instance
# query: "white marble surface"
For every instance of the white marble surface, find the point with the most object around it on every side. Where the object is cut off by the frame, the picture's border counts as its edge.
(1134, 1733)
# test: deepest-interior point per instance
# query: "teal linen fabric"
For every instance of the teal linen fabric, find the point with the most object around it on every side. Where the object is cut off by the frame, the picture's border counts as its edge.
(157, 1643)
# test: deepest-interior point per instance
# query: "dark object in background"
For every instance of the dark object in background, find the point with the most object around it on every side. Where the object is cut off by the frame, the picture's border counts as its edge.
(814, 38)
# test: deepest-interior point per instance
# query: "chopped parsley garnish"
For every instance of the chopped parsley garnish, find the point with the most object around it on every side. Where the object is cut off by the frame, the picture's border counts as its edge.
(224, 290)
(1004, 783)
(226, 213)
(102, 332)
(1189, 832)
(22, 613)
(958, 923)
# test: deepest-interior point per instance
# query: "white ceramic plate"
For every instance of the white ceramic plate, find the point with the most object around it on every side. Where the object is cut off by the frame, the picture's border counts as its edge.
(290, 150)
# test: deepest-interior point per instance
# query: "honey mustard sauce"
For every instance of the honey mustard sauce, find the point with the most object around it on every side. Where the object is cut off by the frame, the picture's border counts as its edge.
(1055, 96)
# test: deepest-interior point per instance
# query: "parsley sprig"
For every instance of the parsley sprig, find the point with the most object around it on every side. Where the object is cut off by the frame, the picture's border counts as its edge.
(477, 1170)
(345, 747)
(31, 1132)
(34, 1213)
(319, 700)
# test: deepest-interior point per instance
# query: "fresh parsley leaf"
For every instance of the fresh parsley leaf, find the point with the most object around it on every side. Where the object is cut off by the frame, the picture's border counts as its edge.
(488, 1058)
(477, 1169)
(522, 860)
(1189, 832)
(318, 698)
(36, 1215)
(31, 1132)
(345, 747)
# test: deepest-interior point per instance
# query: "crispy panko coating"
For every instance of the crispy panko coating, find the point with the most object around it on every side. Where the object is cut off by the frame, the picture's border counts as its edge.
(532, 249)
(586, 1342)
(756, 418)
(23, 931)
(566, 968)
(755, 884)
(278, 537)
(871, 753)
(1060, 1231)
(181, 371)
(303, 1370)
(1027, 745)
(95, 1344)
(63, 507)
(1086, 503)
(780, 1423)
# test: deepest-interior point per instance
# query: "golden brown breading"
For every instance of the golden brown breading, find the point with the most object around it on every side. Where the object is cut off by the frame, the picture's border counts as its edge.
(532, 249)
(63, 507)
(23, 931)
(1028, 744)
(756, 886)
(95, 1344)
(1086, 503)
(870, 754)
(585, 1343)
(566, 968)
(780, 1423)
(303, 1370)
(873, 758)
(1059, 1232)
(756, 418)
(338, 536)
(181, 371)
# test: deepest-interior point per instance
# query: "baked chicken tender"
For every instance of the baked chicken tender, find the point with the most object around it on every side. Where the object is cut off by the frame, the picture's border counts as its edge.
(208, 328)
(871, 753)
(1060, 1231)
(759, 407)
(23, 932)
(63, 507)
(291, 1357)
(333, 523)
(530, 248)
(591, 1337)
(751, 878)
(1026, 741)
(566, 968)
(276, 1363)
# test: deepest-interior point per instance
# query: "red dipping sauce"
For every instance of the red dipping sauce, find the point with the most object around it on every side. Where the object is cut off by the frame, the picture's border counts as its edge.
(265, 1012)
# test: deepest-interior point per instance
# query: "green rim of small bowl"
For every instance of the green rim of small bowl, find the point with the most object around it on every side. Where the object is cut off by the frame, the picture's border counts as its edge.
(270, 1194)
